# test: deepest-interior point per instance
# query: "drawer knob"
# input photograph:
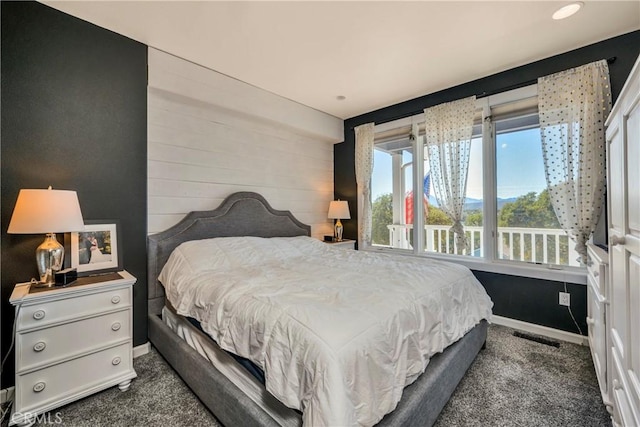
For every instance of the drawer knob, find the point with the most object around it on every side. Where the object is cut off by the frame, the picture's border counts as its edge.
(38, 387)
(596, 274)
(116, 361)
(590, 321)
(39, 346)
(38, 315)
(617, 385)
(116, 326)
(115, 299)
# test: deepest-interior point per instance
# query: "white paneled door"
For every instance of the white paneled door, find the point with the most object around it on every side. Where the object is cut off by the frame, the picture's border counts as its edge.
(623, 157)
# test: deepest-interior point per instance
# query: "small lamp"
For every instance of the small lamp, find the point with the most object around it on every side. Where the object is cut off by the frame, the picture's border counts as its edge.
(47, 211)
(339, 209)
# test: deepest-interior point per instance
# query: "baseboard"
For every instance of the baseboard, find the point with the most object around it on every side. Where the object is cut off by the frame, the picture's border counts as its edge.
(141, 350)
(540, 330)
(6, 394)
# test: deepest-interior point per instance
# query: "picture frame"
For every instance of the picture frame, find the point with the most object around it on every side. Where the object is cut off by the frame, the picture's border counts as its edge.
(97, 249)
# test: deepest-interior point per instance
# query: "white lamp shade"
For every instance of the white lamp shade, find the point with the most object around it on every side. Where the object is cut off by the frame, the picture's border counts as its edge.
(46, 211)
(339, 209)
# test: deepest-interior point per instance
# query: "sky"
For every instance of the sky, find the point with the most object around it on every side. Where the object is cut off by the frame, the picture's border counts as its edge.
(518, 164)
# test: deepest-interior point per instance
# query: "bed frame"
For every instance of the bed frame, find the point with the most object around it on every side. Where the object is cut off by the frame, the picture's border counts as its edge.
(249, 214)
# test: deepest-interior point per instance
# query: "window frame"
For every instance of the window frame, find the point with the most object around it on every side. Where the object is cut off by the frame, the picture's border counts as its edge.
(489, 262)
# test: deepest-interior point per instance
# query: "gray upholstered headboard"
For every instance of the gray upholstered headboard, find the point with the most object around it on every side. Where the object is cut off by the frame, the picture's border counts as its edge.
(240, 214)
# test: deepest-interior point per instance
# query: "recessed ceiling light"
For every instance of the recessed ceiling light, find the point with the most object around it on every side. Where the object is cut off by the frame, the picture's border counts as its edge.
(567, 11)
(341, 97)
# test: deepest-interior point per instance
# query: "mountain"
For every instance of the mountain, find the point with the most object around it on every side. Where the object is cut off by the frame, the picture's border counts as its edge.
(472, 204)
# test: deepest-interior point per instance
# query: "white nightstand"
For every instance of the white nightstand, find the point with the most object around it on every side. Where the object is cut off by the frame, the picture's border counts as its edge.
(345, 244)
(71, 342)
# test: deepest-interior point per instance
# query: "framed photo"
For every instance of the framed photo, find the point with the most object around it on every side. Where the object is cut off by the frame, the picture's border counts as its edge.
(97, 248)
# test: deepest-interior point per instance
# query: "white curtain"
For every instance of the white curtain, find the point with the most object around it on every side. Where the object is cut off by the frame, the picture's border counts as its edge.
(448, 141)
(573, 106)
(364, 169)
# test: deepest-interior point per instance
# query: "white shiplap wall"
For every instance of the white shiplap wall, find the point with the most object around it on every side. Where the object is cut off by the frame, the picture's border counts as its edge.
(210, 135)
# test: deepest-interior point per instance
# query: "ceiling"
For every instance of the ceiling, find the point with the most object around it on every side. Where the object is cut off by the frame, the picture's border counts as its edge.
(374, 54)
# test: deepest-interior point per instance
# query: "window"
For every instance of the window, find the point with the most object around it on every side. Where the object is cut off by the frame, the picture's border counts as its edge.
(438, 236)
(508, 217)
(528, 229)
(391, 187)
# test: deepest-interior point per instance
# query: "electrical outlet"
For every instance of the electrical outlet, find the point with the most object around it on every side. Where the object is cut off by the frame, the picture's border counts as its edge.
(564, 298)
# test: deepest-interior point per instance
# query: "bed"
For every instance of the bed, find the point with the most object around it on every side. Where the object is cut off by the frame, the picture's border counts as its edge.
(247, 218)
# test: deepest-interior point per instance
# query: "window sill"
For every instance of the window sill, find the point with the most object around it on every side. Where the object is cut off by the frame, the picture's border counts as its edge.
(574, 275)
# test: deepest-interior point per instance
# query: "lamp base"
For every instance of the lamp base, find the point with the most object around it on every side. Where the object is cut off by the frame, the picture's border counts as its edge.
(49, 256)
(339, 230)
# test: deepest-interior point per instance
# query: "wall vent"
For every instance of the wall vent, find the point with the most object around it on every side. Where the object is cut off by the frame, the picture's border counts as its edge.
(537, 339)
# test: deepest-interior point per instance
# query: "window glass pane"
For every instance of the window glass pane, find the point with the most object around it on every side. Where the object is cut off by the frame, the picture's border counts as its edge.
(381, 197)
(391, 182)
(473, 208)
(402, 234)
(438, 237)
(527, 226)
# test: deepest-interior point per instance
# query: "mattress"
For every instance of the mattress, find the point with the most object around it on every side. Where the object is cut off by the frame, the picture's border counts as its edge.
(338, 334)
(226, 364)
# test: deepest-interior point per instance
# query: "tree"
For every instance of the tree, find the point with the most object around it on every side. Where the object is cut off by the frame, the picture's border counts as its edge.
(547, 215)
(437, 216)
(474, 218)
(381, 216)
(529, 211)
(533, 211)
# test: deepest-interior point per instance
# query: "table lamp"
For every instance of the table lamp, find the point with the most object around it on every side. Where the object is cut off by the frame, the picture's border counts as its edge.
(339, 209)
(47, 211)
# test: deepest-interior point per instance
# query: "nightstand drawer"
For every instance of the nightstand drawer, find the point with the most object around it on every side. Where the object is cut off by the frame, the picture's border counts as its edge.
(597, 333)
(596, 268)
(43, 346)
(596, 272)
(45, 313)
(593, 264)
(75, 377)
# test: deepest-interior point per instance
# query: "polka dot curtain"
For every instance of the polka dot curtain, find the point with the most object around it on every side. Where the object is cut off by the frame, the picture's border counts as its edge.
(364, 168)
(573, 106)
(448, 142)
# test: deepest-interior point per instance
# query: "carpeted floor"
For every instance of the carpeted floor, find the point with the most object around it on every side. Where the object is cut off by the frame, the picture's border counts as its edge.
(517, 382)
(513, 382)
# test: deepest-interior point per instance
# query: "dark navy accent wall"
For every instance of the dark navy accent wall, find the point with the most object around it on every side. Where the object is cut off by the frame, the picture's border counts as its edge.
(74, 116)
(530, 300)
(536, 301)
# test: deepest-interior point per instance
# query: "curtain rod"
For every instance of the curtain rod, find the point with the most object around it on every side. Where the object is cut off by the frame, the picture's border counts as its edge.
(523, 84)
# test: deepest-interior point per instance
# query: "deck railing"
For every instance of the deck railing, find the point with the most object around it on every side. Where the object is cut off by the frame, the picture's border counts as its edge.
(538, 245)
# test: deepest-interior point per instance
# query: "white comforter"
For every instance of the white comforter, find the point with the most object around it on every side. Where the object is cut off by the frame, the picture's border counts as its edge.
(338, 333)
